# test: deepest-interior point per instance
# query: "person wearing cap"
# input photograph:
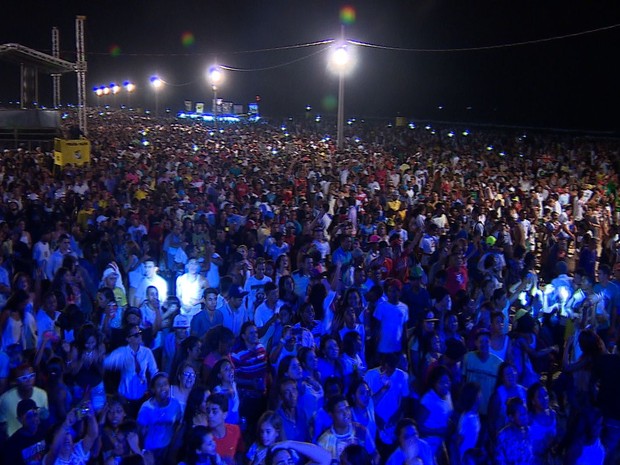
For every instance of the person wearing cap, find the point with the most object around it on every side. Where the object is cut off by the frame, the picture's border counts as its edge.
(27, 445)
(235, 311)
(25, 389)
(172, 344)
(111, 279)
(136, 363)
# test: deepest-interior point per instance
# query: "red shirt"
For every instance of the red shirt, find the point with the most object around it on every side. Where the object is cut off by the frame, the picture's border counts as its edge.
(230, 444)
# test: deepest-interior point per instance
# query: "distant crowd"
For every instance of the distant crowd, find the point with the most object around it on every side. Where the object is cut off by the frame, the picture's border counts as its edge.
(250, 294)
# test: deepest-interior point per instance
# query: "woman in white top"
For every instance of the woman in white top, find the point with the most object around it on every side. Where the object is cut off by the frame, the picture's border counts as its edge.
(435, 411)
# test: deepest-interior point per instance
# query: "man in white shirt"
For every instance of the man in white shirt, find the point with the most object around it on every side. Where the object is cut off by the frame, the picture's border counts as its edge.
(255, 285)
(190, 287)
(235, 312)
(151, 278)
(135, 362)
(41, 253)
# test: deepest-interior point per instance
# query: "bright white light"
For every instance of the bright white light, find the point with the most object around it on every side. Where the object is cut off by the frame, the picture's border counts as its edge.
(563, 293)
(465, 132)
(129, 86)
(427, 127)
(450, 134)
(156, 82)
(502, 154)
(489, 148)
(308, 108)
(145, 143)
(341, 59)
(283, 128)
(317, 119)
(215, 75)
(411, 126)
(99, 92)
(105, 90)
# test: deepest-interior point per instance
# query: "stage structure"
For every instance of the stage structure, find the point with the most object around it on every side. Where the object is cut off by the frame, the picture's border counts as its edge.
(32, 62)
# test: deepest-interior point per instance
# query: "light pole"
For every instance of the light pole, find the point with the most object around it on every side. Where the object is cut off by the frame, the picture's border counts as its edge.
(129, 87)
(215, 77)
(341, 63)
(98, 93)
(115, 89)
(157, 83)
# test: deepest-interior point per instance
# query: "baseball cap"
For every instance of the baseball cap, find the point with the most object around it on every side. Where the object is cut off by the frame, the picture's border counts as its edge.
(491, 240)
(236, 292)
(374, 239)
(430, 316)
(24, 406)
(180, 321)
(417, 272)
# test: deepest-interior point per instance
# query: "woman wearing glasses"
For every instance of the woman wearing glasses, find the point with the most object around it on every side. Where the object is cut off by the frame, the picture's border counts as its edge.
(186, 380)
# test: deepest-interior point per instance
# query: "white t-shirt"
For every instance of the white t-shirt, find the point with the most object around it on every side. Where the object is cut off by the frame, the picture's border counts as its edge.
(393, 319)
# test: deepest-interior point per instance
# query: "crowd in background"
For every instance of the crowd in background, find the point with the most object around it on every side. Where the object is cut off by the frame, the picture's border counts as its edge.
(252, 295)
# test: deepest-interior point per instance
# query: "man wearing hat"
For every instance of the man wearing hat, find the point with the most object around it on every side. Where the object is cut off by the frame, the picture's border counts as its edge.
(172, 343)
(235, 311)
(27, 444)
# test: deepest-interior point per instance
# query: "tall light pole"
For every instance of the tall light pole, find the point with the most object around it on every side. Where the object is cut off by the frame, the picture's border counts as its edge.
(157, 83)
(215, 76)
(341, 63)
(115, 89)
(129, 87)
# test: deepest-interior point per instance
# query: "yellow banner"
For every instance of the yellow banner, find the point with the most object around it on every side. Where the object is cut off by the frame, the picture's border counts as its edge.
(73, 151)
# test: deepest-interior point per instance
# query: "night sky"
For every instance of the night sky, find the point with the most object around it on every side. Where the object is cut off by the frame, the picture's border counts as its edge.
(569, 83)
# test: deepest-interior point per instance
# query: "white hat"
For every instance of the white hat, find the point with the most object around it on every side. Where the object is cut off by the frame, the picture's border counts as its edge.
(180, 321)
(101, 218)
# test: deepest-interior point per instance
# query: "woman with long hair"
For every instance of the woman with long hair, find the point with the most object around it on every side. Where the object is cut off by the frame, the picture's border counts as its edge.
(222, 381)
(185, 382)
(16, 325)
(86, 366)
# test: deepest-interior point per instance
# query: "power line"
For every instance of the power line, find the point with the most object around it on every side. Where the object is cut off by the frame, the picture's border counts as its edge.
(487, 47)
(281, 65)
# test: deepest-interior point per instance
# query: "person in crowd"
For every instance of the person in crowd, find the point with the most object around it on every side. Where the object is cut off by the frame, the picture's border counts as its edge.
(209, 317)
(150, 278)
(344, 431)
(27, 445)
(269, 432)
(158, 417)
(228, 440)
(411, 449)
(514, 443)
(295, 423)
(186, 380)
(24, 378)
(136, 364)
(190, 289)
(222, 381)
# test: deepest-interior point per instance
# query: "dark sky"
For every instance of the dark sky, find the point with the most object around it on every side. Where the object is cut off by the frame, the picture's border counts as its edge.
(570, 83)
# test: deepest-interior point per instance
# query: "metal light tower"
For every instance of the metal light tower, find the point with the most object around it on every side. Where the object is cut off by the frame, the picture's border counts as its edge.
(80, 69)
(56, 76)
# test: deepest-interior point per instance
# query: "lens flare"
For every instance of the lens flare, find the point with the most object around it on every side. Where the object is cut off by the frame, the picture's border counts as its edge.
(329, 103)
(114, 50)
(187, 39)
(347, 15)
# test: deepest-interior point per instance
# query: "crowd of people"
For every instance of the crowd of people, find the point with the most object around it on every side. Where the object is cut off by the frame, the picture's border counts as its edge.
(252, 295)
